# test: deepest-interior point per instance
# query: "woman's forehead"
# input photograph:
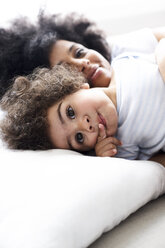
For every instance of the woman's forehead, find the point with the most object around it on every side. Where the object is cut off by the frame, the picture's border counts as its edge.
(60, 51)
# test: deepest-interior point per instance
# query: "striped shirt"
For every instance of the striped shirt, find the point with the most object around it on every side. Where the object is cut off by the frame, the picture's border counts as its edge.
(140, 106)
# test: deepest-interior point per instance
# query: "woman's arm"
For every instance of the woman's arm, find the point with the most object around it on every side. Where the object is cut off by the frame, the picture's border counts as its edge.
(160, 57)
(143, 40)
(159, 158)
(159, 33)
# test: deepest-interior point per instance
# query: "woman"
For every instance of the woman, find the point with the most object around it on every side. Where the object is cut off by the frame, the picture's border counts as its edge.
(53, 40)
(25, 46)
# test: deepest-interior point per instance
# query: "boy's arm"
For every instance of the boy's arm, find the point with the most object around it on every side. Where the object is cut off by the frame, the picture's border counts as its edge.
(160, 57)
(159, 158)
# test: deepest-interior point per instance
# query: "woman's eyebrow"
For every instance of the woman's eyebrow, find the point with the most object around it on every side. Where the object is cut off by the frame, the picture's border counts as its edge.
(59, 113)
(71, 48)
(69, 51)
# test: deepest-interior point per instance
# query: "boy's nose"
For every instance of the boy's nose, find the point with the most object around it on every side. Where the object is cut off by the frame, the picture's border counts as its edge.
(86, 124)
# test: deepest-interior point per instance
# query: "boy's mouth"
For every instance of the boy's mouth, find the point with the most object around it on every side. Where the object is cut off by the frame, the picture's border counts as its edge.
(102, 120)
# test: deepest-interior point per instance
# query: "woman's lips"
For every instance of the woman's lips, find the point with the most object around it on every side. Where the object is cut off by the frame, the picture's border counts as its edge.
(94, 73)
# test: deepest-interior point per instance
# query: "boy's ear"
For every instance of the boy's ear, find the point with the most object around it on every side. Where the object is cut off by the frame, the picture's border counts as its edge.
(85, 86)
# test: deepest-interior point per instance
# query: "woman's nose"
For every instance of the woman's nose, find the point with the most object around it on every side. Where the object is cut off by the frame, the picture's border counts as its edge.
(87, 125)
(82, 64)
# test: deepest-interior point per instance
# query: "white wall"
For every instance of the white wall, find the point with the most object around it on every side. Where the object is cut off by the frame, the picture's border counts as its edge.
(115, 16)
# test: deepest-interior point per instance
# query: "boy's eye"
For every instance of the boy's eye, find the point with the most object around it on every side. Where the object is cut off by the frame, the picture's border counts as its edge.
(79, 138)
(79, 52)
(70, 112)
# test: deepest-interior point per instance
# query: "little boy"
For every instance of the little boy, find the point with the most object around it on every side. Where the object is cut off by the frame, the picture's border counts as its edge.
(56, 109)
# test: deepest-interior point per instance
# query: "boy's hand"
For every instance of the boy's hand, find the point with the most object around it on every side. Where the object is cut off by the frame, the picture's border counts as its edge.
(106, 146)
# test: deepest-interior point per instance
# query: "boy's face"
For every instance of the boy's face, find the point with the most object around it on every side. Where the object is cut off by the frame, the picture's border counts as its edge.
(74, 121)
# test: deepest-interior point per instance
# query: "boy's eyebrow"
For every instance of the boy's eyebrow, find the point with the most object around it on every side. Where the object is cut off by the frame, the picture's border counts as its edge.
(62, 121)
(59, 113)
(69, 144)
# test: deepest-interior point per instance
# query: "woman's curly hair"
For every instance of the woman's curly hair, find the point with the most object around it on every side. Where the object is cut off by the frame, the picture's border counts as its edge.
(25, 125)
(25, 46)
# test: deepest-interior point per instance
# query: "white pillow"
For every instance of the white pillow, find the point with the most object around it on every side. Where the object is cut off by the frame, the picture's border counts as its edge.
(61, 199)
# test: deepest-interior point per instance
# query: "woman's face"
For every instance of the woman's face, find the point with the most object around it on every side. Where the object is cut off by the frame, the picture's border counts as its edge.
(95, 67)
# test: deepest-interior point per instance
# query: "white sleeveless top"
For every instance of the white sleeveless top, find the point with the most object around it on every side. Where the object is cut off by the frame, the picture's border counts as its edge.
(140, 106)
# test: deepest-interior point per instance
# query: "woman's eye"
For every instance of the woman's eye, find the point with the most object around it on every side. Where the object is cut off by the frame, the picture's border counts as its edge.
(70, 112)
(79, 138)
(79, 52)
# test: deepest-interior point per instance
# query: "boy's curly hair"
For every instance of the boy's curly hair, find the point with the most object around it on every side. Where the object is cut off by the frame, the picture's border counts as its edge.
(26, 103)
(25, 46)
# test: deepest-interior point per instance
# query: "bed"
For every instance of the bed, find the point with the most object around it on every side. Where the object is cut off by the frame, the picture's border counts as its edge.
(142, 229)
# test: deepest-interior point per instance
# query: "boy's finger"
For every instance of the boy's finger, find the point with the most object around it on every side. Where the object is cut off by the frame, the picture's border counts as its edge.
(114, 141)
(102, 132)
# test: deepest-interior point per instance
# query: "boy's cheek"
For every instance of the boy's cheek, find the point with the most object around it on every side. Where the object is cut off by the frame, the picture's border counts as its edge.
(92, 140)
